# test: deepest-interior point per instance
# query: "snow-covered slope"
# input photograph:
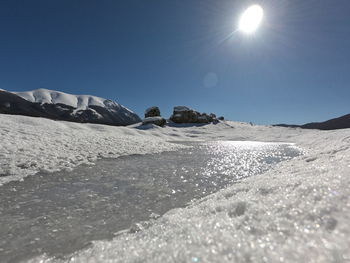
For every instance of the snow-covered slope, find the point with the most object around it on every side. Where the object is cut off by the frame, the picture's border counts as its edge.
(55, 97)
(62, 106)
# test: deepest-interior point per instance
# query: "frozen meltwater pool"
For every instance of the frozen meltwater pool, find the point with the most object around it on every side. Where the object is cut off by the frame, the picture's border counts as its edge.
(62, 212)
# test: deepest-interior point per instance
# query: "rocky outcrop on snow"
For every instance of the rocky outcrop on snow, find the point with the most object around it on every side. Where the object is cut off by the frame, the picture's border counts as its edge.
(62, 106)
(157, 120)
(183, 114)
(152, 116)
(152, 112)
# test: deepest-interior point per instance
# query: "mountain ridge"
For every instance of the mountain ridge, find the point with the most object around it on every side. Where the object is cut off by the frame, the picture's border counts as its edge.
(342, 122)
(64, 106)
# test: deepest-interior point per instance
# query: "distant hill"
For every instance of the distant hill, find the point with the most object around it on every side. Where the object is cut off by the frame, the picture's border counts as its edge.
(342, 122)
(63, 106)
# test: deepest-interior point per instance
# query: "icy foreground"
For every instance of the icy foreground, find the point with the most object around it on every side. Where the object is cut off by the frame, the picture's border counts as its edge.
(297, 212)
(61, 213)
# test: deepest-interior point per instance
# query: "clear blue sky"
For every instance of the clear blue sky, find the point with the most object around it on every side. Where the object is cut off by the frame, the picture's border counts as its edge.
(294, 69)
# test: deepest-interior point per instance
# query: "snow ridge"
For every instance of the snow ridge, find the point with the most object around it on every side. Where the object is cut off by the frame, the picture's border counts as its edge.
(56, 97)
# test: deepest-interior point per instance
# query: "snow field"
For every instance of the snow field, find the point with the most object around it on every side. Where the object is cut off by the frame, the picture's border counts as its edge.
(29, 145)
(297, 212)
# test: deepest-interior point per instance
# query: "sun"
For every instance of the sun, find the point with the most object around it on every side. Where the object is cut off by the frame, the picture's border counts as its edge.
(251, 19)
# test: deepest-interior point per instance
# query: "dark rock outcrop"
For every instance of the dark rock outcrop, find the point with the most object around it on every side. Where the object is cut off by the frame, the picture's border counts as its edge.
(183, 114)
(152, 116)
(152, 112)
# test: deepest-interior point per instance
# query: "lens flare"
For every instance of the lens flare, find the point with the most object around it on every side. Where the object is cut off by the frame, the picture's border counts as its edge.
(251, 19)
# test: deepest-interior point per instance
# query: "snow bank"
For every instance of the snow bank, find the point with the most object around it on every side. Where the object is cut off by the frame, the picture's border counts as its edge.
(152, 119)
(29, 145)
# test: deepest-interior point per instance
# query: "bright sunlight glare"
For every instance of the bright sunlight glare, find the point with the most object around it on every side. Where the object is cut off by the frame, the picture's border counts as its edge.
(251, 19)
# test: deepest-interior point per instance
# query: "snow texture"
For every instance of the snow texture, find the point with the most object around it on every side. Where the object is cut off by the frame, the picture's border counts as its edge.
(152, 119)
(29, 145)
(297, 212)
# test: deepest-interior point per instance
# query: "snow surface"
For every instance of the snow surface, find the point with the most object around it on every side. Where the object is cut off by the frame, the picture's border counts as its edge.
(151, 119)
(93, 202)
(54, 97)
(29, 145)
(297, 212)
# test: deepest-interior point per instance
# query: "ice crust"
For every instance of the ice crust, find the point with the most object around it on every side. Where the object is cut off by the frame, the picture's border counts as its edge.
(93, 202)
(297, 212)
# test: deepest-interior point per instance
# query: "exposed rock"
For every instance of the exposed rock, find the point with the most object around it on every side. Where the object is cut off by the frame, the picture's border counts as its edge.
(152, 112)
(159, 121)
(183, 114)
(221, 118)
(179, 109)
(203, 118)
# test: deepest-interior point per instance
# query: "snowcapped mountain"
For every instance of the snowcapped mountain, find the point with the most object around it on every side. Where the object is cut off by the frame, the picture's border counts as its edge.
(63, 106)
(57, 97)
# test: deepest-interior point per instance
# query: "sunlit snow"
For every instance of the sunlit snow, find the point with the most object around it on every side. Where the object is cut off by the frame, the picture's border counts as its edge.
(94, 202)
(298, 211)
